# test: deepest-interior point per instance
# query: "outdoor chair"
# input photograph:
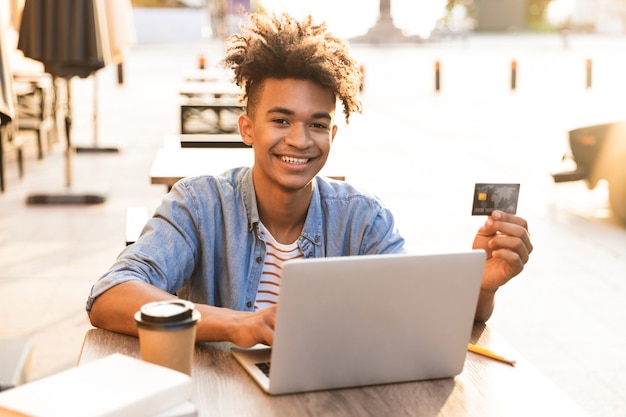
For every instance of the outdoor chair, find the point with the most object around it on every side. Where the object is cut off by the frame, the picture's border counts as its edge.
(35, 109)
(9, 142)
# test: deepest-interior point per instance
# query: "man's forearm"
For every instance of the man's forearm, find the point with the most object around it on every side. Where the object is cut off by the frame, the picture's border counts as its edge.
(485, 306)
(115, 309)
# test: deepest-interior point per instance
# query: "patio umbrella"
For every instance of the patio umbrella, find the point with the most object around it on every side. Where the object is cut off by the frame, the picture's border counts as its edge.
(7, 95)
(64, 35)
(113, 19)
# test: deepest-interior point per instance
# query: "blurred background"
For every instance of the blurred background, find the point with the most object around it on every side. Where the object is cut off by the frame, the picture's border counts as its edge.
(454, 93)
(427, 19)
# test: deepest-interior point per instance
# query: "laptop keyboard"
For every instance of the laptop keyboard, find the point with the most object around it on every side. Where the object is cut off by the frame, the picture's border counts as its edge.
(264, 367)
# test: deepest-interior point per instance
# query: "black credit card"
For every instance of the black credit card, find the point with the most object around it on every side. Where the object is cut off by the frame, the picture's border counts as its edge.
(490, 197)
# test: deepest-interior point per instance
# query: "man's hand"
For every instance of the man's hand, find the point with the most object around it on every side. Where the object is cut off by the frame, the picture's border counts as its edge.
(506, 240)
(248, 328)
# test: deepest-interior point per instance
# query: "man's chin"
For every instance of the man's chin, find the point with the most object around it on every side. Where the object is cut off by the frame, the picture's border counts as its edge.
(297, 184)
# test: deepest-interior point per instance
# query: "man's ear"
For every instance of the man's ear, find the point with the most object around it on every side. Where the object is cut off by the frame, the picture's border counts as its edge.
(333, 133)
(245, 129)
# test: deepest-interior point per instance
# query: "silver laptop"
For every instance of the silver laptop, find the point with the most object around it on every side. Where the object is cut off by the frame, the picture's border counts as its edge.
(364, 320)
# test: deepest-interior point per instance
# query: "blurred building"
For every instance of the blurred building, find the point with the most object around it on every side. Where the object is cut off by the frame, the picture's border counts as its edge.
(499, 15)
(603, 16)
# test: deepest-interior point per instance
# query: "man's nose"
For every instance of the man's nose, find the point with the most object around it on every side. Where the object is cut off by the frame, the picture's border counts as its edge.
(298, 136)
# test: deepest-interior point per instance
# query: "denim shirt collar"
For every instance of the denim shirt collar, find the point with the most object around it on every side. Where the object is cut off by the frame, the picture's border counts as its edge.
(249, 199)
(312, 230)
(311, 237)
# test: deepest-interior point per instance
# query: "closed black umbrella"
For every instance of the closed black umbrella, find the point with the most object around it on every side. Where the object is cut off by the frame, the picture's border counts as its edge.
(65, 36)
(7, 94)
(7, 100)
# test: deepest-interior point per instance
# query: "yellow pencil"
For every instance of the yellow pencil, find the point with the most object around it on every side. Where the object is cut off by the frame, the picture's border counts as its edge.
(486, 352)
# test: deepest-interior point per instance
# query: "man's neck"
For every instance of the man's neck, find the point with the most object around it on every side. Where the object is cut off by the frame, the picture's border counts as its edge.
(283, 213)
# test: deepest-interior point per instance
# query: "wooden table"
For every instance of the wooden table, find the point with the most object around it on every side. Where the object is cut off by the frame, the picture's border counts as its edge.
(216, 89)
(172, 164)
(486, 388)
(199, 140)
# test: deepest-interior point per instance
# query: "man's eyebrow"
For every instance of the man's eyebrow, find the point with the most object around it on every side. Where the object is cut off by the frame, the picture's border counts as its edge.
(288, 112)
(282, 110)
(322, 115)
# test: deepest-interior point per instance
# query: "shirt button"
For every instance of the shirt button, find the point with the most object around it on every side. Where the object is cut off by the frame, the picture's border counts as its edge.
(259, 259)
(249, 304)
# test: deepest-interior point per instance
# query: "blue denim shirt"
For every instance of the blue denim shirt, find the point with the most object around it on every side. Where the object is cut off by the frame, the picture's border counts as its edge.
(203, 241)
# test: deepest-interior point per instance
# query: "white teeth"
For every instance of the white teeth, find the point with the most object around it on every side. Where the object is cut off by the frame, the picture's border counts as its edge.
(291, 160)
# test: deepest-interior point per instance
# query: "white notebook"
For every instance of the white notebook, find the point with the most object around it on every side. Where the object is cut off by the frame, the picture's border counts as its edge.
(114, 386)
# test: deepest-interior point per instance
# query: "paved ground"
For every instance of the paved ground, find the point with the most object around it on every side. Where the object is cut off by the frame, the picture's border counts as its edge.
(420, 150)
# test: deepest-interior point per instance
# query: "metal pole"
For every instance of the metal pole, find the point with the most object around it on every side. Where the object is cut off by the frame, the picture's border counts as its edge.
(68, 128)
(95, 108)
(513, 74)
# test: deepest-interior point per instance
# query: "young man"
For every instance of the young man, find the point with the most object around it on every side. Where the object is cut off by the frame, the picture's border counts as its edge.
(220, 241)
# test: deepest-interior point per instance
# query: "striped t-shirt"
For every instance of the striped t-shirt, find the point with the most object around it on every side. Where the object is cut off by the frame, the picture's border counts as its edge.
(275, 256)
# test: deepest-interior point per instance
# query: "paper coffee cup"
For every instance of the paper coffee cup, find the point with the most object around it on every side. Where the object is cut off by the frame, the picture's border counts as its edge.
(167, 333)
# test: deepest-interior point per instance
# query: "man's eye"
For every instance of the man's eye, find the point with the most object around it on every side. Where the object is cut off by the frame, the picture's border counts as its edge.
(281, 121)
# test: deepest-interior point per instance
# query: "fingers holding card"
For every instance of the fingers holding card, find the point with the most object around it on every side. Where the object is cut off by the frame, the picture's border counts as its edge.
(489, 197)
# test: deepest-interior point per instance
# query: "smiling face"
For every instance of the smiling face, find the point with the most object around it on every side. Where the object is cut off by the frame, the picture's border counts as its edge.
(290, 125)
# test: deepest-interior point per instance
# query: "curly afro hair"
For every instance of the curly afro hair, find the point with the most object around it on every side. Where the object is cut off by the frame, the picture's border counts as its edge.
(280, 46)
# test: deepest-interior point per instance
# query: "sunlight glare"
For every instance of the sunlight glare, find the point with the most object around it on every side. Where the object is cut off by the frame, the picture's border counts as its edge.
(350, 18)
